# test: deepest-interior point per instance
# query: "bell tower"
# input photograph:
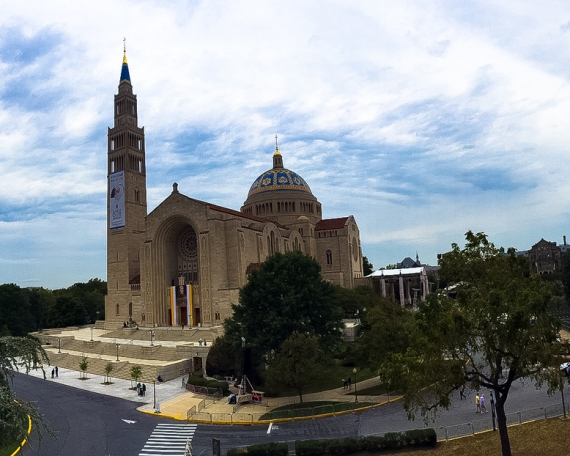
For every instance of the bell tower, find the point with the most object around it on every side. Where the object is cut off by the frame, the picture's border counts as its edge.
(126, 205)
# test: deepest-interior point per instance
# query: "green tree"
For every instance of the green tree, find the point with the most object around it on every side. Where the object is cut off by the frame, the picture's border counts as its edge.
(41, 301)
(357, 299)
(384, 333)
(19, 353)
(15, 309)
(224, 358)
(83, 367)
(566, 275)
(68, 310)
(296, 364)
(136, 373)
(285, 294)
(489, 329)
(368, 267)
(108, 369)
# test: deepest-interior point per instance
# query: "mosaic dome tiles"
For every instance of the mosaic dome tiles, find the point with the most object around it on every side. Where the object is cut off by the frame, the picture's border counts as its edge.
(278, 179)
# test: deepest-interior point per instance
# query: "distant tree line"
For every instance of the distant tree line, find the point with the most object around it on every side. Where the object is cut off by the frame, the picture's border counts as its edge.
(24, 310)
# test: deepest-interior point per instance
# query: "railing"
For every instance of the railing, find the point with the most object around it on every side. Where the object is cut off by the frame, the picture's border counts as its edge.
(473, 427)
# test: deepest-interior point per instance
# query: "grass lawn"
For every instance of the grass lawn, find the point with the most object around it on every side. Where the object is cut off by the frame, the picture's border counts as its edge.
(7, 451)
(307, 409)
(330, 377)
(542, 438)
(376, 390)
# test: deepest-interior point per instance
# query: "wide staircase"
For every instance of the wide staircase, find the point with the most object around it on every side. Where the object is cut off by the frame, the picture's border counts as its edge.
(168, 352)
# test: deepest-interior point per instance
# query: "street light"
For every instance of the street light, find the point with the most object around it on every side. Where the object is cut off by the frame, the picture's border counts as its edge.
(118, 346)
(91, 333)
(59, 345)
(355, 392)
(493, 409)
(562, 391)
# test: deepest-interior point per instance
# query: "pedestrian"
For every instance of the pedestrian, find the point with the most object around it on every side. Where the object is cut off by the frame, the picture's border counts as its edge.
(344, 383)
(139, 388)
(52, 372)
(477, 403)
(349, 383)
(482, 404)
(144, 390)
(56, 371)
(462, 393)
(183, 382)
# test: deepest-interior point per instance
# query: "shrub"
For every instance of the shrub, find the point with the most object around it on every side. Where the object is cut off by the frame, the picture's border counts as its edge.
(372, 444)
(264, 449)
(221, 385)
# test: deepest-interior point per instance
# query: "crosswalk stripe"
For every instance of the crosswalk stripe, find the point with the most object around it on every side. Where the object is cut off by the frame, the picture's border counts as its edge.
(168, 439)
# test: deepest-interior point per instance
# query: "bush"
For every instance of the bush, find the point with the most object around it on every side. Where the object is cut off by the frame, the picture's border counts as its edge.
(219, 385)
(264, 449)
(372, 444)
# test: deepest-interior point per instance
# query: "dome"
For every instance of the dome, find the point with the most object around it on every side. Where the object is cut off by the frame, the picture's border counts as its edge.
(278, 179)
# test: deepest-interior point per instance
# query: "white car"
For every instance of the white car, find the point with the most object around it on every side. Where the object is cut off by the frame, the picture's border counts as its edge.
(565, 367)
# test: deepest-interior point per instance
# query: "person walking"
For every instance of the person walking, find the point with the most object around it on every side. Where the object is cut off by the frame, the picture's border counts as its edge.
(144, 389)
(462, 393)
(344, 383)
(52, 372)
(478, 403)
(482, 404)
(349, 383)
(56, 372)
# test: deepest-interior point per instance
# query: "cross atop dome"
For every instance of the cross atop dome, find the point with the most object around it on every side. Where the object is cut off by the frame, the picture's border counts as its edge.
(277, 158)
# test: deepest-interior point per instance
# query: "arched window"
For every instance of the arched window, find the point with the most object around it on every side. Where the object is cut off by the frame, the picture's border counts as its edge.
(329, 257)
(117, 310)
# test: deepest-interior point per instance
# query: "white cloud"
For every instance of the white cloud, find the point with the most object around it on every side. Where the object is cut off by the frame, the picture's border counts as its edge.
(422, 120)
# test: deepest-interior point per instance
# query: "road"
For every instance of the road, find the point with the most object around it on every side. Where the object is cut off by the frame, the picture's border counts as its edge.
(92, 424)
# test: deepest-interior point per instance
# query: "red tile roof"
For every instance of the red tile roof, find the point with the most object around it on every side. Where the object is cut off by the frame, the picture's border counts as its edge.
(331, 224)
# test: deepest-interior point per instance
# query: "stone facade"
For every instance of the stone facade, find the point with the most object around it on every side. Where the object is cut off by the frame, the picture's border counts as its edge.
(185, 261)
(544, 257)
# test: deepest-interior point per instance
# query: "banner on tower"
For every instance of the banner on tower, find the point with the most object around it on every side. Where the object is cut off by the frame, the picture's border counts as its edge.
(117, 200)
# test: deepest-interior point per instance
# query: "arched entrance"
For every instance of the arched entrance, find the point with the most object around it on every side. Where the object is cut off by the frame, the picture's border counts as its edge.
(178, 275)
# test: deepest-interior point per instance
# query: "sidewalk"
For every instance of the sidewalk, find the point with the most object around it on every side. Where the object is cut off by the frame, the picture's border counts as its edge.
(173, 401)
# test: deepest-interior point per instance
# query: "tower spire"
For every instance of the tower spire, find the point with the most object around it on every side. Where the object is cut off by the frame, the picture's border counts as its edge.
(277, 158)
(125, 75)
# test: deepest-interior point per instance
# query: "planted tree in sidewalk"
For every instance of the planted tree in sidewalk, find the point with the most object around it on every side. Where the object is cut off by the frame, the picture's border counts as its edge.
(296, 364)
(108, 369)
(83, 367)
(488, 329)
(136, 373)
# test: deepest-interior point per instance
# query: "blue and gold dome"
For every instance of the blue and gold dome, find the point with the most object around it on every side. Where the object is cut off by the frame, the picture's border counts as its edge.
(278, 178)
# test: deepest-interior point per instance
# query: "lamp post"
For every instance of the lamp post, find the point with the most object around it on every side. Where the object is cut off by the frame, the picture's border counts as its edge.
(118, 346)
(91, 333)
(242, 389)
(154, 393)
(493, 410)
(59, 345)
(562, 391)
(355, 392)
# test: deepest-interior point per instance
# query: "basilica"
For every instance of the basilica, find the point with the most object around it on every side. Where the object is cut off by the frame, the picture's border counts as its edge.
(183, 263)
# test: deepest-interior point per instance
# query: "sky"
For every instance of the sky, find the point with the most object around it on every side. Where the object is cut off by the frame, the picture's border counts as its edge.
(423, 120)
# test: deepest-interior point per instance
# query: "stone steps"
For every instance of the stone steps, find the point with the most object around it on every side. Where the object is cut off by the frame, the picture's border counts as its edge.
(121, 369)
